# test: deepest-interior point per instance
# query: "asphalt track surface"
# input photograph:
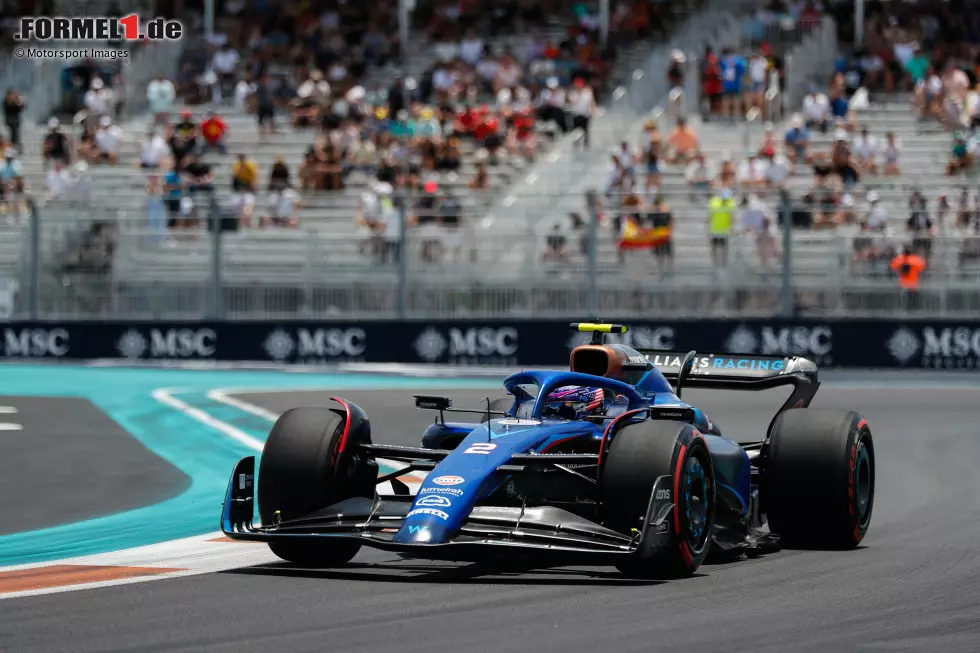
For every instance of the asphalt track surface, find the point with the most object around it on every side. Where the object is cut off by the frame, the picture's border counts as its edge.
(913, 585)
(72, 462)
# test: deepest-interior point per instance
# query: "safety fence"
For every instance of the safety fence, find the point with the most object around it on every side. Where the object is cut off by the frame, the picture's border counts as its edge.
(930, 344)
(65, 261)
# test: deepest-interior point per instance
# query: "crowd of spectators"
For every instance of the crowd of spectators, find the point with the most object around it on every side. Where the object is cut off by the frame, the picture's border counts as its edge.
(505, 79)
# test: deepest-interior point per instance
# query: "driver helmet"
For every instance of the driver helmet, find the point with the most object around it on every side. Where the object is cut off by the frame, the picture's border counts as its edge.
(575, 402)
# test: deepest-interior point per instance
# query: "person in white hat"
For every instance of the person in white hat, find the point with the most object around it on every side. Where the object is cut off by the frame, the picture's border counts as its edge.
(797, 140)
(97, 101)
(552, 107)
(108, 140)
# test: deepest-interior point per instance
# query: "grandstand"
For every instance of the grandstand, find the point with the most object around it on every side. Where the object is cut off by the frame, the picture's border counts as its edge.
(330, 263)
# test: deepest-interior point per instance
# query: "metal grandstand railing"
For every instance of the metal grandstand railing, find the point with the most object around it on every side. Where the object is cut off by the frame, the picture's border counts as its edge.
(65, 262)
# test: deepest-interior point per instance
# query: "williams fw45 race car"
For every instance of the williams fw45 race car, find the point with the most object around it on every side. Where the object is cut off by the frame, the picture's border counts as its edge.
(602, 464)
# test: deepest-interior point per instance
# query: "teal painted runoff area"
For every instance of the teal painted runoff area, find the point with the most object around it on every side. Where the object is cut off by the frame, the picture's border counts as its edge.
(203, 453)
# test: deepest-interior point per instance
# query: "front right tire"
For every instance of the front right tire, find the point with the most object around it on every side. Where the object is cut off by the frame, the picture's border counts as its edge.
(637, 455)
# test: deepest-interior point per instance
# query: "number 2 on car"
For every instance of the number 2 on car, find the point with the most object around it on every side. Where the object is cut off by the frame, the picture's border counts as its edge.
(481, 447)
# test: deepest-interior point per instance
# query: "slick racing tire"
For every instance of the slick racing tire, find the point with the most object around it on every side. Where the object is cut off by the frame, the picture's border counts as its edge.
(819, 481)
(307, 464)
(636, 456)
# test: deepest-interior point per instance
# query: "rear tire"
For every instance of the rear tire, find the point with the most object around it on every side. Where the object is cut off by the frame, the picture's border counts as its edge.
(302, 470)
(820, 477)
(637, 456)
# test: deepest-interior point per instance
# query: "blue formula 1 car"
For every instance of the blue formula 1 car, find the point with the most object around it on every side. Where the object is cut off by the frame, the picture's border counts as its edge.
(600, 464)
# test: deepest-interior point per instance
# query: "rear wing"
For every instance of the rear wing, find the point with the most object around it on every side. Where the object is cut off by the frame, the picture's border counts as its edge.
(738, 372)
(732, 372)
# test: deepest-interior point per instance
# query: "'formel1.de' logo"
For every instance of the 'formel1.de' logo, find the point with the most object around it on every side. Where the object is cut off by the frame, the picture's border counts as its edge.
(126, 28)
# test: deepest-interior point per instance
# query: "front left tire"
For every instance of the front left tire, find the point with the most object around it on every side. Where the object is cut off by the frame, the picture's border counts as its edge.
(310, 461)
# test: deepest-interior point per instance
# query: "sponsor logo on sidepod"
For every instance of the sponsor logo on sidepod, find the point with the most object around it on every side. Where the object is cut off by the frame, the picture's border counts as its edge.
(434, 500)
(448, 480)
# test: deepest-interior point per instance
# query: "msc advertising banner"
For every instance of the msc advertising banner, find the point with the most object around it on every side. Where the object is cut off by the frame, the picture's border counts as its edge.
(933, 344)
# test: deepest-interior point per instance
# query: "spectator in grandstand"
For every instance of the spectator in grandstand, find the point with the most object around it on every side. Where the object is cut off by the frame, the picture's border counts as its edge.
(651, 153)
(661, 218)
(721, 214)
(619, 178)
(108, 141)
(98, 101)
(582, 107)
(56, 146)
(877, 216)
(153, 153)
(555, 246)
(265, 106)
(908, 266)
(156, 212)
(961, 159)
(797, 141)
(768, 144)
(967, 210)
(816, 111)
(755, 219)
(244, 175)
(891, 153)
(173, 193)
(759, 80)
(919, 225)
(388, 224)
(551, 105)
(161, 95)
(197, 174)
(86, 150)
(825, 194)
(225, 65)
(711, 86)
(917, 65)
(675, 70)
(283, 203)
(726, 176)
(58, 181)
(929, 94)
(841, 161)
(777, 172)
(480, 180)
(839, 104)
(752, 173)
(11, 180)
(683, 144)
(732, 67)
(13, 108)
(183, 139)
(213, 130)
(279, 176)
(865, 150)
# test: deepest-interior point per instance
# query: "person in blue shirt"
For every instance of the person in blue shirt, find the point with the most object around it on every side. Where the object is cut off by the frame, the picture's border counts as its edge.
(173, 190)
(797, 139)
(732, 70)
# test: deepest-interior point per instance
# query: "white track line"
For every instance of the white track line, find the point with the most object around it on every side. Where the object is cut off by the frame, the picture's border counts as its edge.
(7, 426)
(165, 397)
(223, 396)
(7, 410)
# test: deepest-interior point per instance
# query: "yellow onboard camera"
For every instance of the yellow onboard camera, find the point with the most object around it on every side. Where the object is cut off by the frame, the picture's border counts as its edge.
(597, 329)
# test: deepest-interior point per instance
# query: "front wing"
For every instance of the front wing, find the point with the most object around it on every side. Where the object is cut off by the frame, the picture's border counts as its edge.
(489, 530)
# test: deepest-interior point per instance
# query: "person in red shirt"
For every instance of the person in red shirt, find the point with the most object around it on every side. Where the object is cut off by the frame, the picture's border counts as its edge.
(213, 130)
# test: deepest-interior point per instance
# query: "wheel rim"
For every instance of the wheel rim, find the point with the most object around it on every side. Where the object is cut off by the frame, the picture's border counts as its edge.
(863, 484)
(696, 503)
